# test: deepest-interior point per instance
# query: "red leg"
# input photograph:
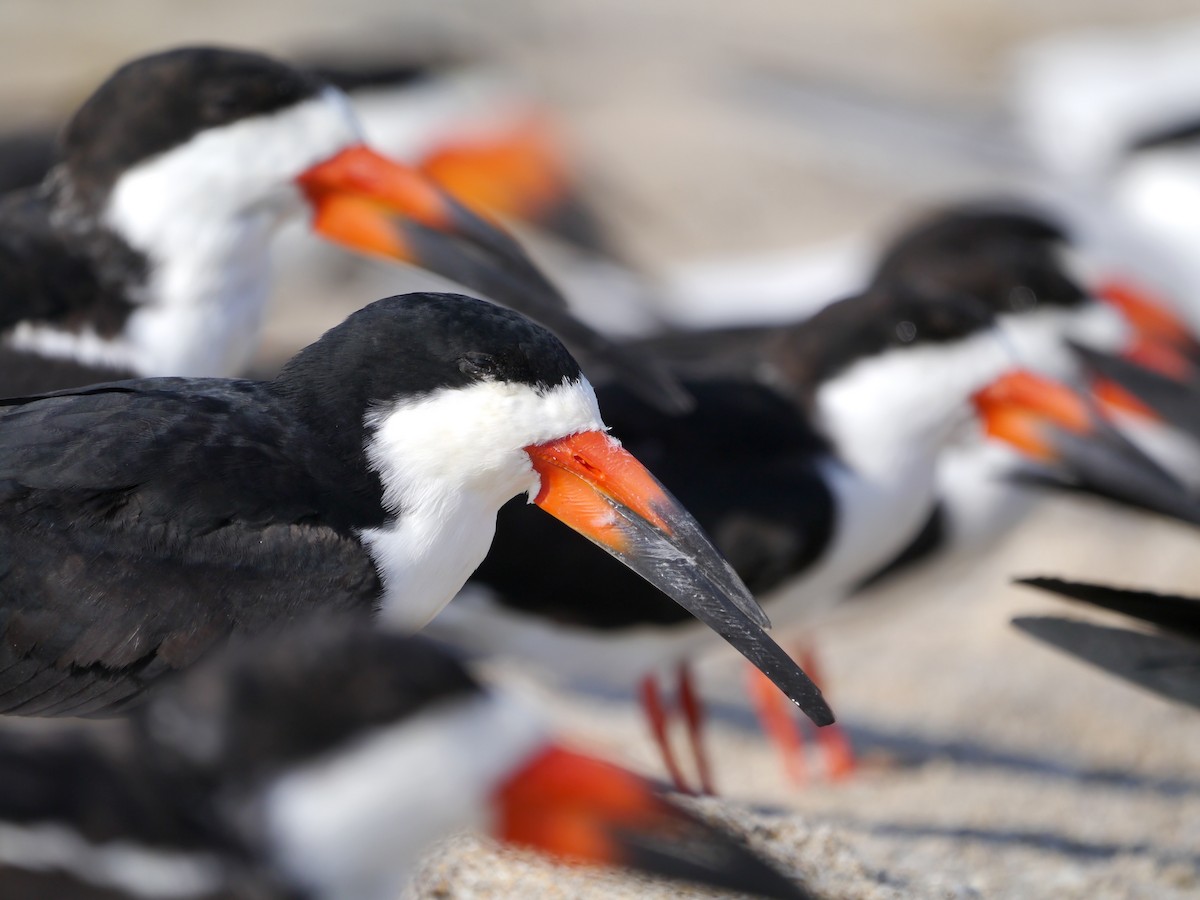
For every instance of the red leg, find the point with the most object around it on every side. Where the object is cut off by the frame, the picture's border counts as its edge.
(656, 716)
(693, 714)
(775, 717)
(835, 743)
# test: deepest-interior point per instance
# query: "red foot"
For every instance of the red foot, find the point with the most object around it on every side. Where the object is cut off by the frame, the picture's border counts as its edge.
(693, 715)
(656, 716)
(835, 743)
(774, 715)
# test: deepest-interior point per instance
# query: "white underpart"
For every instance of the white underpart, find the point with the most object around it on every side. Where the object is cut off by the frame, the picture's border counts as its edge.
(1157, 192)
(352, 826)
(137, 869)
(979, 500)
(203, 213)
(448, 462)
(1081, 96)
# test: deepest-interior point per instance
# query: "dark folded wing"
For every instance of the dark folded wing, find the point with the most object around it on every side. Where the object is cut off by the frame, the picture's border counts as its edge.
(143, 522)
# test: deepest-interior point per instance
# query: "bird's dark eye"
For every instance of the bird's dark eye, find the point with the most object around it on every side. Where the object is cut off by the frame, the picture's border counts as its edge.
(479, 365)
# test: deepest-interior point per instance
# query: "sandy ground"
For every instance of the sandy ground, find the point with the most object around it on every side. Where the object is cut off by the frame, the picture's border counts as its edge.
(993, 767)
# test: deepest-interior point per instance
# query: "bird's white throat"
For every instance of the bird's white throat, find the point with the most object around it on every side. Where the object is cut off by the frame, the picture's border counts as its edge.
(448, 461)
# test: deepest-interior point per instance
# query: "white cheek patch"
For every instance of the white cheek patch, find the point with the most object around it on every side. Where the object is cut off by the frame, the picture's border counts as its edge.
(448, 461)
(223, 172)
(355, 823)
(473, 436)
(203, 214)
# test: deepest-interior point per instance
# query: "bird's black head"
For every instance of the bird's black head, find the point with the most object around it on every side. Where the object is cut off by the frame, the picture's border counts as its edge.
(267, 705)
(159, 102)
(411, 345)
(870, 325)
(414, 344)
(1004, 254)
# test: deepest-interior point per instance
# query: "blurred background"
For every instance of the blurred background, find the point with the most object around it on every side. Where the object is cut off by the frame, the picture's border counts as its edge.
(726, 141)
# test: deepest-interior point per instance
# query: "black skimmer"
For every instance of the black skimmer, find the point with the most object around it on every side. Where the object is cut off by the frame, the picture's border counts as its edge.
(808, 485)
(323, 762)
(366, 476)
(1015, 257)
(466, 126)
(145, 250)
(1165, 660)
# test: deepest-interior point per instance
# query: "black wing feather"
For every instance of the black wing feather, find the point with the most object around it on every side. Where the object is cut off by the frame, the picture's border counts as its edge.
(1173, 612)
(131, 553)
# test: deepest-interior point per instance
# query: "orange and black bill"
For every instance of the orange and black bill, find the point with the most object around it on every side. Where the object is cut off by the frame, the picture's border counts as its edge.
(374, 205)
(517, 169)
(1166, 663)
(585, 811)
(1165, 397)
(1161, 663)
(1162, 338)
(1075, 447)
(1171, 612)
(593, 485)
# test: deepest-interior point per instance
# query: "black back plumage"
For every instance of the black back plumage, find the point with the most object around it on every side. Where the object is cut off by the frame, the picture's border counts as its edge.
(101, 790)
(144, 522)
(47, 276)
(257, 709)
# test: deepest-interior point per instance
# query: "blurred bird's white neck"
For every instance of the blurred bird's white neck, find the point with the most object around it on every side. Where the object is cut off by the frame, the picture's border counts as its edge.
(889, 411)
(201, 311)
